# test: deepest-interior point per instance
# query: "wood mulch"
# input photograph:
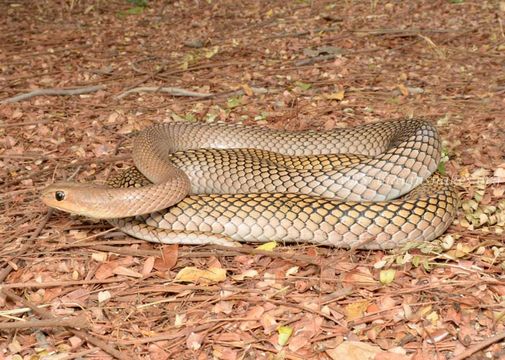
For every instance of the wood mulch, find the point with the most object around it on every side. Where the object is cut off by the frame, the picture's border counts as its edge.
(92, 73)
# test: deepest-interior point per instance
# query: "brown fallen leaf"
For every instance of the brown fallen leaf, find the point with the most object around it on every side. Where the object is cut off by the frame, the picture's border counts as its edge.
(121, 270)
(194, 275)
(254, 312)
(194, 341)
(224, 353)
(156, 351)
(148, 265)
(168, 258)
(106, 269)
(354, 350)
(355, 310)
(360, 277)
(269, 323)
(305, 329)
(388, 355)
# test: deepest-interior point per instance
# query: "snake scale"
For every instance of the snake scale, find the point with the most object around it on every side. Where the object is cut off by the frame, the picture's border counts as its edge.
(219, 183)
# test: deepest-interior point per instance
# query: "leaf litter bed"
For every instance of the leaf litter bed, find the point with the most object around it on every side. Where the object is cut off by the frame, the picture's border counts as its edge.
(75, 288)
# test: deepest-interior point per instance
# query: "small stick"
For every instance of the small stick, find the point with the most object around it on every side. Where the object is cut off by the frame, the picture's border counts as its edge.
(400, 32)
(483, 344)
(78, 162)
(79, 322)
(82, 334)
(201, 67)
(41, 92)
(49, 284)
(79, 354)
(182, 92)
(29, 123)
(7, 270)
(255, 90)
(174, 91)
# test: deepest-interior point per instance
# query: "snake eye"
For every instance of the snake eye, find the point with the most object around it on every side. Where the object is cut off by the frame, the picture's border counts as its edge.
(59, 195)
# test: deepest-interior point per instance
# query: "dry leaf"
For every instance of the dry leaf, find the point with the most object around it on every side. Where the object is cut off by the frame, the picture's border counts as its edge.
(387, 276)
(195, 275)
(269, 246)
(247, 90)
(339, 95)
(354, 350)
(194, 341)
(168, 258)
(106, 270)
(269, 323)
(403, 89)
(355, 310)
(284, 334)
(103, 296)
(99, 256)
(305, 329)
(148, 265)
(254, 312)
(156, 351)
(224, 353)
(121, 270)
(360, 277)
(388, 355)
(251, 273)
(225, 307)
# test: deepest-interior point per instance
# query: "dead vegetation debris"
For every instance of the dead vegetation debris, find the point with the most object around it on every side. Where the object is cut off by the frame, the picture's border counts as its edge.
(73, 287)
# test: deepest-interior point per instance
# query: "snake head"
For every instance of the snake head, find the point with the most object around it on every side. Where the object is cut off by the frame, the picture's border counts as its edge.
(106, 202)
(70, 197)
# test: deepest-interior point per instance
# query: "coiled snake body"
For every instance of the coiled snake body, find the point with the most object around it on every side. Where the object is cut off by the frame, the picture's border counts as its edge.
(284, 186)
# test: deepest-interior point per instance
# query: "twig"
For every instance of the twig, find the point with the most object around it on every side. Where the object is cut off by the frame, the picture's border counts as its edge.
(182, 92)
(174, 91)
(300, 33)
(326, 57)
(49, 284)
(255, 90)
(149, 76)
(215, 251)
(170, 335)
(483, 344)
(246, 250)
(7, 270)
(400, 32)
(315, 59)
(200, 67)
(36, 174)
(41, 92)
(75, 321)
(28, 123)
(82, 334)
(79, 354)
(52, 51)
(26, 156)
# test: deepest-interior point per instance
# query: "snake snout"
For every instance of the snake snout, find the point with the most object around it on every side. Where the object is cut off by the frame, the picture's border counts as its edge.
(54, 196)
(64, 196)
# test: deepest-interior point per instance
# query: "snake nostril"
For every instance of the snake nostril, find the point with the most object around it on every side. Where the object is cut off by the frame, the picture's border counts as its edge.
(59, 195)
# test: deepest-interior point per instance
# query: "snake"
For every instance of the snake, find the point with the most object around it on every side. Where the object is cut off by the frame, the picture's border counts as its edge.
(372, 186)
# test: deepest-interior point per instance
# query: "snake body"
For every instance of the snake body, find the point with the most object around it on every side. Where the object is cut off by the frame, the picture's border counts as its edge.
(280, 186)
